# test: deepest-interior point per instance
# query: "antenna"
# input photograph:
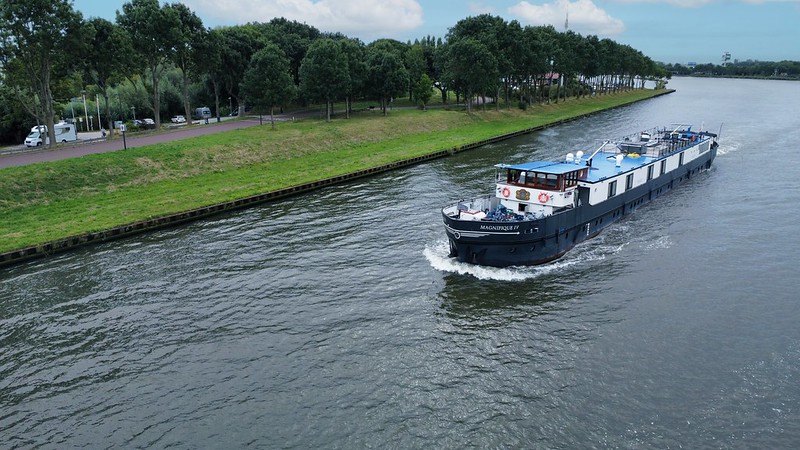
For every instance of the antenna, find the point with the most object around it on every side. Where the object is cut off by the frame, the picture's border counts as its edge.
(566, 22)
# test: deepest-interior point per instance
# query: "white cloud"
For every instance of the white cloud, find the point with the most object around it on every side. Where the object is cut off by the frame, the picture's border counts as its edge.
(480, 8)
(352, 17)
(584, 16)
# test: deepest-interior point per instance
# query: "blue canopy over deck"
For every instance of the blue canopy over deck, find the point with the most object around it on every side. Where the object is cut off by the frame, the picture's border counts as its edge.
(603, 166)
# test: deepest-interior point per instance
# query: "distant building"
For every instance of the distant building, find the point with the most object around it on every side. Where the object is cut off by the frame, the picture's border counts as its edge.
(692, 64)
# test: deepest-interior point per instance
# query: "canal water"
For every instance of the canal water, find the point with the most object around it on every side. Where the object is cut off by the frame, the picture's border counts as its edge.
(336, 320)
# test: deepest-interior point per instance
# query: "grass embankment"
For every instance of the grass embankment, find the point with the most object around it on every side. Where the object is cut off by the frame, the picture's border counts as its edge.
(50, 201)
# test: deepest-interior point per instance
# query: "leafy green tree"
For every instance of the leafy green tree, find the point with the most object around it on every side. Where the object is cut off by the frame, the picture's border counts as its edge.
(387, 76)
(354, 51)
(40, 42)
(155, 34)
(472, 67)
(109, 60)
(237, 47)
(591, 65)
(324, 75)
(414, 61)
(14, 121)
(430, 49)
(294, 38)
(553, 56)
(208, 62)
(423, 90)
(493, 33)
(268, 81)
(191, 34)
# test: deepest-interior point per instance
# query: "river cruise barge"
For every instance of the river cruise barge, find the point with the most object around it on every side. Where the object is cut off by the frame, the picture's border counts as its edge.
(541, 209)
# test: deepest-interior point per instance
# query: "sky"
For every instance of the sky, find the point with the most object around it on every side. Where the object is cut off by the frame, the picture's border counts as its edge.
(669, 31)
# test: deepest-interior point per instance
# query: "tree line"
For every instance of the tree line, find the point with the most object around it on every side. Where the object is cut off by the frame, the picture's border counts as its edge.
(746, 69)
(49, 52)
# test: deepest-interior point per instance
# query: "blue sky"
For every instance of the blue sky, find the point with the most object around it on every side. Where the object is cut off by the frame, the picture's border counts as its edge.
(671, 31)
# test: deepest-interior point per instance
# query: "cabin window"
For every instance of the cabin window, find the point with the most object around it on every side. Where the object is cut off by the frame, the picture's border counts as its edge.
(570, 179)
(629, 182)
(650, 173)
(663, 167)
(680, 160)
(612, 189)
(511, 176)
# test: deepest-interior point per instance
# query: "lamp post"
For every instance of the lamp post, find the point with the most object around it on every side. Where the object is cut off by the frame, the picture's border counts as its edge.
(85, 111)
(119, 108)
(97, 102)
(230, 106)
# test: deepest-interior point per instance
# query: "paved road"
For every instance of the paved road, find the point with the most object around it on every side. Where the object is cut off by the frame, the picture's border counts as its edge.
(102, 146)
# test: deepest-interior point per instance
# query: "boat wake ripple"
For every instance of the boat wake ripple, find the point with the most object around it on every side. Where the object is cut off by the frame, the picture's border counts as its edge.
(437, 255)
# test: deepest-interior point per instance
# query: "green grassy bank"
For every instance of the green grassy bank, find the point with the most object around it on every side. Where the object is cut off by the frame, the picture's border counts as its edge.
(45, 202)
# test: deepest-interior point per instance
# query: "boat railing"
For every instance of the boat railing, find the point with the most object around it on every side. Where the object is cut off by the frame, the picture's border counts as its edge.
(659, 142)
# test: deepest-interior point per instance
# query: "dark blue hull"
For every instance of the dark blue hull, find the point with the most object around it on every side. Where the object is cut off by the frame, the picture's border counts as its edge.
(532, 242)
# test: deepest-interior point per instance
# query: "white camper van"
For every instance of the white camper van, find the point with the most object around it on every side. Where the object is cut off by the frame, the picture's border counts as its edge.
(202, 113)
(64, 132)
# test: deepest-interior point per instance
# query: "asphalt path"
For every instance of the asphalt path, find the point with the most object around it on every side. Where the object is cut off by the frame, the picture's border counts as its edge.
(43, 154)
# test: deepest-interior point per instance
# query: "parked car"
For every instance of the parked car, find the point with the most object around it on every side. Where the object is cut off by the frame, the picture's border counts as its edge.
(178, 119)
(145, 124)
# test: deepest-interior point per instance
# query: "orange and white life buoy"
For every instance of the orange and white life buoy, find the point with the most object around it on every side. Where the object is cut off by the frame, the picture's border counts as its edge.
(506, 192)
(543, 198)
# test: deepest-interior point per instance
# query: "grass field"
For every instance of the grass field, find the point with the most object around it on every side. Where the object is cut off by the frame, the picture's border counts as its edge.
(48, 201)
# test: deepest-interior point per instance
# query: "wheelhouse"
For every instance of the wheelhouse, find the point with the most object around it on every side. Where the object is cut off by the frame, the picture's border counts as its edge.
(538, 187)
(545, 178)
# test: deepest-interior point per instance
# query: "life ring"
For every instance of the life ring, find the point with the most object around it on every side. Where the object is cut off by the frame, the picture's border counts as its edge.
(543, 198)
(506, 192)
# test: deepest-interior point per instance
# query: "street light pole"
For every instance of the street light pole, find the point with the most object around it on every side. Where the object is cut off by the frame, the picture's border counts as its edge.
(97, 102)
(85, 111)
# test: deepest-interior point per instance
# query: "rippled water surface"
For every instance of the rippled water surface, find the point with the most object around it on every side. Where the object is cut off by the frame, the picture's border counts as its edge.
(336, 320)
